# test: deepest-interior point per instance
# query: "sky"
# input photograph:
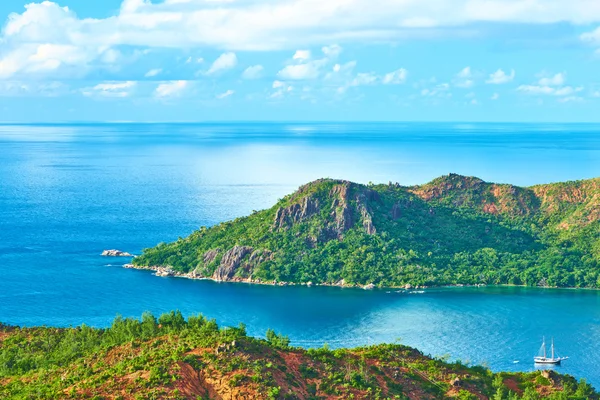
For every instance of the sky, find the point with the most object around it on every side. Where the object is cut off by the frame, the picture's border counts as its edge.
(300, 60)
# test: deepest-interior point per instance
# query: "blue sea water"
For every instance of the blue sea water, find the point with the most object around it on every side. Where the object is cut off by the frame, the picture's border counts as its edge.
(69, 191)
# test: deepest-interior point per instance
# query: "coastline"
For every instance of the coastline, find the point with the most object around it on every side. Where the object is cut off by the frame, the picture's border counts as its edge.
(165, 272)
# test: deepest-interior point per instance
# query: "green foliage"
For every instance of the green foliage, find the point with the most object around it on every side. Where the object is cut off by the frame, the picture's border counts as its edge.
(279, 341)
(454, 230)
(145, 359)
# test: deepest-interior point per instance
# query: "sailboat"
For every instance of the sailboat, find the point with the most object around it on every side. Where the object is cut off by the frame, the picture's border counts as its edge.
(542, 358)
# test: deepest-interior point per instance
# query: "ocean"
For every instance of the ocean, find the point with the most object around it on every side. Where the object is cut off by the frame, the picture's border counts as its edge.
(67, 192)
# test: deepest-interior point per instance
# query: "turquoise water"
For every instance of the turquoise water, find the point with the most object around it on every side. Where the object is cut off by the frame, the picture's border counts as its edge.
(69, 191)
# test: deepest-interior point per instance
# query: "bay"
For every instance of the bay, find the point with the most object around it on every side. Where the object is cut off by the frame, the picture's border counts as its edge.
(67, 192)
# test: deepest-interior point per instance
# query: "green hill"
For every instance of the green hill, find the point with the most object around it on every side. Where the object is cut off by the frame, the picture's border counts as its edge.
(171, 358)
(453, 230)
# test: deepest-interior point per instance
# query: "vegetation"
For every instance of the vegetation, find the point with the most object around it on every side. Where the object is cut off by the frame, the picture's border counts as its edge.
(453, 230)
(174, 358)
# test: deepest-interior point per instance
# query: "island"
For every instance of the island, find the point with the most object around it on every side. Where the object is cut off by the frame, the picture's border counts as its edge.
(455, 230)
(173, 358)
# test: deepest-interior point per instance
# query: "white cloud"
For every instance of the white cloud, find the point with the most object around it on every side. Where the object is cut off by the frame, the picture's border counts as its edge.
(171, 89)
(224, 62)
(549, 90)
(281, 88)
(47, 39)
(10, 88)
(305, 68)
(253, 72)
(495, 96)
(395, 78)
(225, 94)
(500, 77)
(551, 85)
(571, 99)
(552, 80)
(267, 25)
(153, 73)
(592, 37)
(464, 79)
(192, 60)
(364, 78)
(111, 89)
(302, 55)
(300, 71)
(440, 90)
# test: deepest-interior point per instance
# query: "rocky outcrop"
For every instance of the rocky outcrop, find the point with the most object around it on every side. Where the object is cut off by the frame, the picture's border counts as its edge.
(367, 220)
(396, 212)
(285, 217)
(342, 212)
(210, 256)
(230, 262)
(164, 272)
(115, 253)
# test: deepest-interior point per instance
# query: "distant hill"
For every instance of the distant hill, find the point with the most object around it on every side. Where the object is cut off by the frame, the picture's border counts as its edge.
(453, 230)
(174, 358)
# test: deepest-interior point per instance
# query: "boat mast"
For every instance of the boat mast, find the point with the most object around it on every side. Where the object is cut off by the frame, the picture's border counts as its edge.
(553, 348)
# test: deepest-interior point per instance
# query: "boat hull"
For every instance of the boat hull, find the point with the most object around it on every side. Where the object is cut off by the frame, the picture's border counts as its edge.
(547, 361)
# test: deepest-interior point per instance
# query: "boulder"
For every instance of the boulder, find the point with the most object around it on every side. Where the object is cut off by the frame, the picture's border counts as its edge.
(370, 286)
(164, 272)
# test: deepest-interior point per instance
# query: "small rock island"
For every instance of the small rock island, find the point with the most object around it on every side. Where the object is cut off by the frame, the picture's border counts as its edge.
(115, 253)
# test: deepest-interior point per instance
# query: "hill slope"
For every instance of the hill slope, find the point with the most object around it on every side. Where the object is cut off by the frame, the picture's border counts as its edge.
(171, 358)
(453, 230)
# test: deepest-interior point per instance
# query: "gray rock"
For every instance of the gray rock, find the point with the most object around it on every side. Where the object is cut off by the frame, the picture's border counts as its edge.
(370, 286)
(115, 253)
(231, 262)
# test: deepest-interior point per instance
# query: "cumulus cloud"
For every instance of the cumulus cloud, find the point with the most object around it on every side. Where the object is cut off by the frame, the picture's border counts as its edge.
(439, 90)
(500, 77)
(153, 72)
(550, 85)
(280, 89)
(111, 89)
(306, 68)
(171, 89)
(10, 88)
(47, 38)
(396, 77)
(224, 62)
(253, 72)
(225, 94)
(592, 37)
(302, 55)
(464, 79)
(552, 80)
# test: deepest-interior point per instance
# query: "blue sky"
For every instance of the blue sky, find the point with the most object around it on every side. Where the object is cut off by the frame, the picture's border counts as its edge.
(300, 60)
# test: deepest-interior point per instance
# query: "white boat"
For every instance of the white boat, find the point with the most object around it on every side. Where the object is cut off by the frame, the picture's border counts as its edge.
(542, 358)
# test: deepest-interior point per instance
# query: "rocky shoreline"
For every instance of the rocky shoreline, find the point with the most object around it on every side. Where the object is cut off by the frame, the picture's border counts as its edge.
(167, 272)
